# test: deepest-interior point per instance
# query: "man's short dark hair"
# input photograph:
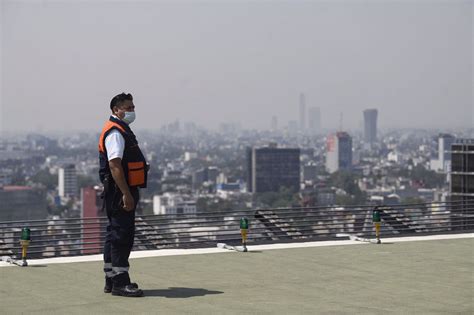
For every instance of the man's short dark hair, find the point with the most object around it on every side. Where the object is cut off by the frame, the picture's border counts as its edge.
(118, 99)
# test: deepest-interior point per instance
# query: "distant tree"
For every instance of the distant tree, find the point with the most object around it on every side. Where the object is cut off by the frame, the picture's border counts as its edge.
(86, 181)
(222, 205)
(347, 181)
(45, 178)
(412, 200)
(429, 178)
(202, 205)
(345, 200)
(284, 198)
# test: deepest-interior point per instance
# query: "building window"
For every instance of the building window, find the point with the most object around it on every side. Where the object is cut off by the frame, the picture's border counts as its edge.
(456, 183)
(470, 184)
(470, 163)
(457, 162)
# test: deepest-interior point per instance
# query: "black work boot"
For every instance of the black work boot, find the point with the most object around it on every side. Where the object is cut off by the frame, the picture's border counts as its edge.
(129, 290)
(108, 285)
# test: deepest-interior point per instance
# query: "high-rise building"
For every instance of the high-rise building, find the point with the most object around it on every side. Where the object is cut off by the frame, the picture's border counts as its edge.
(445, 142)
(22, 203)
(207, 174)
(370, 125)
(302, 113)
(91, 225)
(314, 120)
(272, 168)
(188, 156)
(339, 152)
(67, 181)
(274, 123)
(462, 184)
(443, 162)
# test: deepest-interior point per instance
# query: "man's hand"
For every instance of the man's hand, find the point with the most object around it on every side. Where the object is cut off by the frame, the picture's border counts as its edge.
(119, 178)
(128, 202)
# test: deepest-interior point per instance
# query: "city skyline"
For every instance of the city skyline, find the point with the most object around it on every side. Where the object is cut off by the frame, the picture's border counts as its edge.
(199, 61)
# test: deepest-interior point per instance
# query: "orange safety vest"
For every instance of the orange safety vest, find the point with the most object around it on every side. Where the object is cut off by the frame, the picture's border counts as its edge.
(133, 160)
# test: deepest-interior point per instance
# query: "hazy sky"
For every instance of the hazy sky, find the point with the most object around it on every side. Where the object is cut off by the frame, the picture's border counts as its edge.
(240, 61)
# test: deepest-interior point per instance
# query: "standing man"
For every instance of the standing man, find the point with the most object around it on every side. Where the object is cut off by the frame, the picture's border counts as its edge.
(123, 171)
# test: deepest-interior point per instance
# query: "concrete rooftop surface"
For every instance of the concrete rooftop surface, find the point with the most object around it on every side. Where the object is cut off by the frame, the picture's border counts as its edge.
(415, 277)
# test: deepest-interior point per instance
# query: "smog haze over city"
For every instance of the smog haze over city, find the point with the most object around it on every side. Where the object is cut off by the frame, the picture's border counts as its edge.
(296, 125)
(209, 62)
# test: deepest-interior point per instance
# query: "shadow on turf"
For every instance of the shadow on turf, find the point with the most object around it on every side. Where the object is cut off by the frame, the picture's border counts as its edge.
(179, 292)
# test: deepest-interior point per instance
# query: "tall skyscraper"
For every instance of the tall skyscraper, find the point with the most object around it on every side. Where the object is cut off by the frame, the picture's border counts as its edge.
(302, 112)
(339, 152)
(274, 123)
(314, 120)
(445, 142)
(271, 168)
(67, 181)
(370, 125)
(462, 184)
(443, 162)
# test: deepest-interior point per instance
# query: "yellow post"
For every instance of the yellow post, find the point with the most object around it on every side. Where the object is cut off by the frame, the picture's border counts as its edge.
(24, 248)
(244, 225)
(25, 242)
(377, 231)
(243, 232)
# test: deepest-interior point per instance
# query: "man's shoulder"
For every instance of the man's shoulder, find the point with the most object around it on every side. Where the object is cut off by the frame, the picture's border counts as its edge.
(115, 131)
(114, 134)
(113, 125)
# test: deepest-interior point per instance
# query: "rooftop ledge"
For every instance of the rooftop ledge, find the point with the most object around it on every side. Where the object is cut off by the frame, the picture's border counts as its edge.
(253, 248)
(426, 274)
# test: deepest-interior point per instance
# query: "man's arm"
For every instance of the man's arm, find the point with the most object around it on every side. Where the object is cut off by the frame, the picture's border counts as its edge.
(119, 178)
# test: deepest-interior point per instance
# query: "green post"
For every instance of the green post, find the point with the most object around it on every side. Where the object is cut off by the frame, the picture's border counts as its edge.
(25, 242)
(376, 215)
(244, 225)
(25, 234)
(376, 219)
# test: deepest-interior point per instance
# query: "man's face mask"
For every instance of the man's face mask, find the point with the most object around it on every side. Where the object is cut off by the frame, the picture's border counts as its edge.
(129, 117)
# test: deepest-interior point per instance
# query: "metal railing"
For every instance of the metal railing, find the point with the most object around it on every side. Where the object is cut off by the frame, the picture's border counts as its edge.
(67, 237)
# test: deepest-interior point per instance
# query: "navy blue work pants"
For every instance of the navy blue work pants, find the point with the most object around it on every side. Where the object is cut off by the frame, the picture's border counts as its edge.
(119, 237)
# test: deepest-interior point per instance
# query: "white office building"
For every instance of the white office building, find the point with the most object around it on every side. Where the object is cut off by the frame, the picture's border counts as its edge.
(67, 181)
(173, 204)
